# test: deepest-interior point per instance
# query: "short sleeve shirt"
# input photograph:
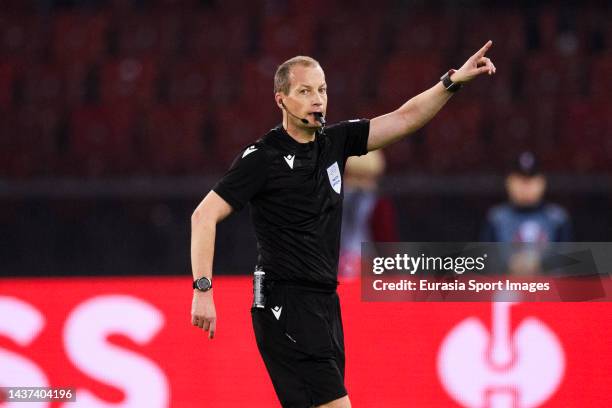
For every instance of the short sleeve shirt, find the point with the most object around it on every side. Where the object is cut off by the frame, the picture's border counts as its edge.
(295, 191)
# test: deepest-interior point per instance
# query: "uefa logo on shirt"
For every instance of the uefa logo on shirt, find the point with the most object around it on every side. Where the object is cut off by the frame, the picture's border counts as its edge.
(333, 172)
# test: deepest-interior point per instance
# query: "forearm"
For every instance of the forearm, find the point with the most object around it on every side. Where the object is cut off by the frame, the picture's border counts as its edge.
(409, 118)
(203, 229)
(419, 110)
(203, 233)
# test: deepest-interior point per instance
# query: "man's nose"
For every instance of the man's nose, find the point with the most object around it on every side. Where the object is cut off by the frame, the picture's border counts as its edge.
(318, 100)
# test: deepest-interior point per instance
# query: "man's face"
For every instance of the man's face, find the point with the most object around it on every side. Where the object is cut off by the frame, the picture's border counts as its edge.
(307, 94)
(525, 190)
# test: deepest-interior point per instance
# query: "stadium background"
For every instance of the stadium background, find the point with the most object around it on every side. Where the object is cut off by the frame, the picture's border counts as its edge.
(116, 117)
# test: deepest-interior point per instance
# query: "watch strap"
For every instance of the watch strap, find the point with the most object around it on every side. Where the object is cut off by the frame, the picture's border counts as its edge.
(448, 83)
(195, 284)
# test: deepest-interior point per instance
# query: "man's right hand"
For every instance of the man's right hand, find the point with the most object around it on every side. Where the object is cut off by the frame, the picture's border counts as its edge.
(203, 313)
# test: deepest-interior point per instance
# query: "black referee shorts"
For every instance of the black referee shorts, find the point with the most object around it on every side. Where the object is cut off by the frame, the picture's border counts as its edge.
(300, 338)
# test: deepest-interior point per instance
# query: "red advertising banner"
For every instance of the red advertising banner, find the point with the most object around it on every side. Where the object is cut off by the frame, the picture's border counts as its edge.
(128, 342)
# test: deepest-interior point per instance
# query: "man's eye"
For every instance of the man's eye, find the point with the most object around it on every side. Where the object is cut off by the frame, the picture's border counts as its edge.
(323, 90)
(304, 91)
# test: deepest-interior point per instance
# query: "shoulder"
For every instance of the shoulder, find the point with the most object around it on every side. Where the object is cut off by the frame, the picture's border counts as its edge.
(556, 213)
(253, 152)
(253, 157)
(499, 213)
(262, 150)
(350, 136)
(347, 125)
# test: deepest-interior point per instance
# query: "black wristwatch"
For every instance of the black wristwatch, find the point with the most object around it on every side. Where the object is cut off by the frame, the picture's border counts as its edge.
(448, 84)
(203, 284)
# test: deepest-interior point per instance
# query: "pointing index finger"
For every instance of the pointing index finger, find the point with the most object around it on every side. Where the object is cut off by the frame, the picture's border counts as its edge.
(484, 49)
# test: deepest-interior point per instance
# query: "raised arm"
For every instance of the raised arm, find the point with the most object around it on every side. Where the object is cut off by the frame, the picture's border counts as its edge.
(419, 110)
(204, 221)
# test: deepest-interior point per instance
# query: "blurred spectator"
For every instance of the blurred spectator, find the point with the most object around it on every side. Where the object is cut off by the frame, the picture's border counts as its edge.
(526, 217)
(367, 215)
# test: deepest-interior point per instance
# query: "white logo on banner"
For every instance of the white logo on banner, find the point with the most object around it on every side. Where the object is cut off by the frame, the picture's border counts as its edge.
(333, 172)
(142, 381)
(85, 335)
(501, 369)
(21, 323)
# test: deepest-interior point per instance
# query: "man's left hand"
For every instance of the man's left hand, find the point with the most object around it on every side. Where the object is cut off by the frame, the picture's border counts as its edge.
(475, 65)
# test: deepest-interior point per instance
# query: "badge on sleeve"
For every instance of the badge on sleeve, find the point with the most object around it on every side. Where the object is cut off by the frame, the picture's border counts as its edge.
(333, 172)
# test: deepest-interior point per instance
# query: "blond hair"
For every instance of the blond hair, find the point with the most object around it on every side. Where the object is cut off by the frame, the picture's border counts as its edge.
(282, 82)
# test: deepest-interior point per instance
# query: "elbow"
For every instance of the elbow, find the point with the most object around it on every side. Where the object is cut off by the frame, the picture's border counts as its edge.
(203, 216)
(210, 211)
(198, 216)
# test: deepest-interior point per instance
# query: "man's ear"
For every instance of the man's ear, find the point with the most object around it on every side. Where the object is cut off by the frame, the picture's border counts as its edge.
(278, 97)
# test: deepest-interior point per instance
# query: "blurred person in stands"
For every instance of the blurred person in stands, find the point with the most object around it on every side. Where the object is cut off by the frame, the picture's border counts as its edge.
(292, 179)
(527, 217)
(368, 216)
(526, 220)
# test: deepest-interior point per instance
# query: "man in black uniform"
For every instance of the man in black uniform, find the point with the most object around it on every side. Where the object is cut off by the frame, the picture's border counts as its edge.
(292, 177)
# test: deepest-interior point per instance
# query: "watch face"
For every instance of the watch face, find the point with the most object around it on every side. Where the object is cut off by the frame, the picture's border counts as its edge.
(203, 284)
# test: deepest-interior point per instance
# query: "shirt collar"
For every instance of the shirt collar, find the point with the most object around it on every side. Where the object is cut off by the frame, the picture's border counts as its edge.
(290, 142)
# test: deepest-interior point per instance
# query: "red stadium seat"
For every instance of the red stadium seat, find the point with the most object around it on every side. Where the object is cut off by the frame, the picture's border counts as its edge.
(546, 118)
(204, 82)
(235, 128)
(173, 4)
(23, 36)
(505, 28)
(560, 31)
(216, 35)
(549, 75)
(349, 85)
(146, 35)
(421, 32)
(403, 77)
(20, 6)
(586, 134)
(351, 34)
(101, 140)
(600, 81)
(23, 128)
(258, 91)
(258, 79)
(408, 154)
(225, 82)
(547, 27)
(79, 37)
(128, 81)
(454, 139)
(241, 7)
(188, 81)
(9, 72)
(54, 84)
(173, 141)
(9, 144)
(285, 36)
(510, 131)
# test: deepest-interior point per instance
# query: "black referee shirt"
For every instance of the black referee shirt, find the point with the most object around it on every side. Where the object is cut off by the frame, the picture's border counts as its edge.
(295, 191)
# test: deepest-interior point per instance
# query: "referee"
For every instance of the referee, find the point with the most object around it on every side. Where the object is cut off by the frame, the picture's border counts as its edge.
(292, 178)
